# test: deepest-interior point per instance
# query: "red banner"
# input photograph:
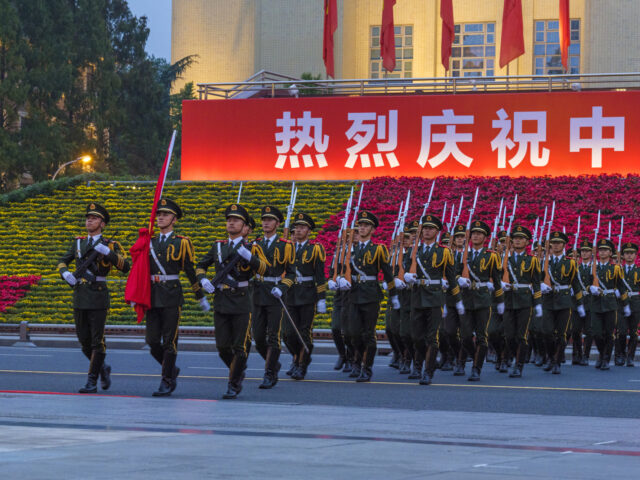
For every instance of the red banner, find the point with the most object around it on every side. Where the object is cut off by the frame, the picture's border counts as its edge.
(339, 138)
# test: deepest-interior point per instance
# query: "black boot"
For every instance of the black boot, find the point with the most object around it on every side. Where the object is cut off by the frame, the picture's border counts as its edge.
(416, 371)
(429, 366)
(475, 375)
(599, 361)
(516, 371)
(338, 340)
(461, 363)
(105, 376)
(355, 370)
(341, 362)
(426, 379)
(174, 384)
(95, 365)
(365, 375)
(405, 367)
(168, 372)
(271, 369)
(395, 361)
(478, 361)
(630, 360)
(236, 376)
(293, 366)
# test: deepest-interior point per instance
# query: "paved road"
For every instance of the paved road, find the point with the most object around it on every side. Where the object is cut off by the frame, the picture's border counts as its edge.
(581, 424)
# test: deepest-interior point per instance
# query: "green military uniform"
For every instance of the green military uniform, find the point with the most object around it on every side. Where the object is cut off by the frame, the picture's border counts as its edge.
(393, 317)
(232, 304)
(452, 320)
(604, 306)
(520, 298)
(169, 255)
(557, 304)
(404, 296)
(629, 325)
(485, 273)
(496, 327)
(583, 324)
(91, 295)
(433, 264)
(367, 261)
(266, 323)
(308, 291)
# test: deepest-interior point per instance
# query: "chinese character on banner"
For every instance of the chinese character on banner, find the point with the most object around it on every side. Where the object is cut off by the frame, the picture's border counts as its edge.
(362, 130)
(450, 139)
(307, 130)
(502, 142)
(596, 143)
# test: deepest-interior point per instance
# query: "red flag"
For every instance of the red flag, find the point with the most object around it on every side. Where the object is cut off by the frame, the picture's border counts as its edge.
(448, 32)
(387, 37)
(330, 26)
(138, 289)
(565, 32)
(512, 41)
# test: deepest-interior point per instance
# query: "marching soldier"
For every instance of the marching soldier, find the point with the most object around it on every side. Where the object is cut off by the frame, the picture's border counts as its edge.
(452, 319)
(495, 331)
(367, 260)
(404, 295)
(580, 325)
(522, 298)
(306, 296)
(279, 255)
(336, 324)
(629, 325)
(434, 264)
(557, 300)
(91, 299)
(231, 301)
(604, 304)
(477, 294)
(170, 254)
(392, 316)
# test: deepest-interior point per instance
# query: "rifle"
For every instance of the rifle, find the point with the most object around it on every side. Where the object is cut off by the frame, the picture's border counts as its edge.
(414, 263)
(620, 241)
(290, 207)
(575, 241)
(544, 222)
(222, 276)
(507, 247)
(394, 238)
(399, 260)
(459, 212)
(594, 263)
(535, 235)
(337, 254)
(467, 235)
(496, 222)
(349, 244)
(91, 255)
(239, 193)
(547, 250)
(444, 214)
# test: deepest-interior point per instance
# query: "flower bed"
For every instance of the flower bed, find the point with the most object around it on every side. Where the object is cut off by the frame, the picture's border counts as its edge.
(13, 289)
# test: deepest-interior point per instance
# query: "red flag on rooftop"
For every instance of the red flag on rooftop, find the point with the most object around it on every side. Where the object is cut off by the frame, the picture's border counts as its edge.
(512, 41)
(565, 33)
(448, 33)
(330, 26)
(138, 289)
(387, 37)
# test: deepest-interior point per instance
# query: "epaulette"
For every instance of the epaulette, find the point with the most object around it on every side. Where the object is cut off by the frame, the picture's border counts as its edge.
(285, 240)
(80, 238)
(182, 236)
(258, 239)
(220, 241)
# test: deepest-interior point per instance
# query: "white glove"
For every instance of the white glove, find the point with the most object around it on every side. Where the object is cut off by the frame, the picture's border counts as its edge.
(102, 248)
(500, 308)
(395, 303)
(331, 285)
(460, 307)
(627, 311)
(207, 285)
(276, 292)
(544, 288)
(445, 284)
(410, 278)
(400, 285)
(445, 312)
(385, 286)
(491, 287)
(321, 307)
(538, 310)
(595, 290)
(581, 311)
(244, 252)
(505, 286)
(617, 292)
(343, 284)
(464, 282)
(69, 278)
(204, 304)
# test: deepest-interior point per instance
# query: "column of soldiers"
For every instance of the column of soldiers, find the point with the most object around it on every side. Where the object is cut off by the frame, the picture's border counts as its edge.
(476, 298)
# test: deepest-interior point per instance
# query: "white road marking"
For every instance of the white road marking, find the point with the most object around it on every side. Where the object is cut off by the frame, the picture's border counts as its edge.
(606, 443)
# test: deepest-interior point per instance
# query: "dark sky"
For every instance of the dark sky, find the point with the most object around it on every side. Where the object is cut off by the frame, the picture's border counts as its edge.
(158, 13)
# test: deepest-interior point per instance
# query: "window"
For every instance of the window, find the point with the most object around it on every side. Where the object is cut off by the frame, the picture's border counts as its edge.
(404, 53)
(474, 50)
(546, 48)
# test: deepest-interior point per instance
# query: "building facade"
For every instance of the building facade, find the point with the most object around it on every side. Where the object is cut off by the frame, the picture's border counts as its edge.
(236, 38)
